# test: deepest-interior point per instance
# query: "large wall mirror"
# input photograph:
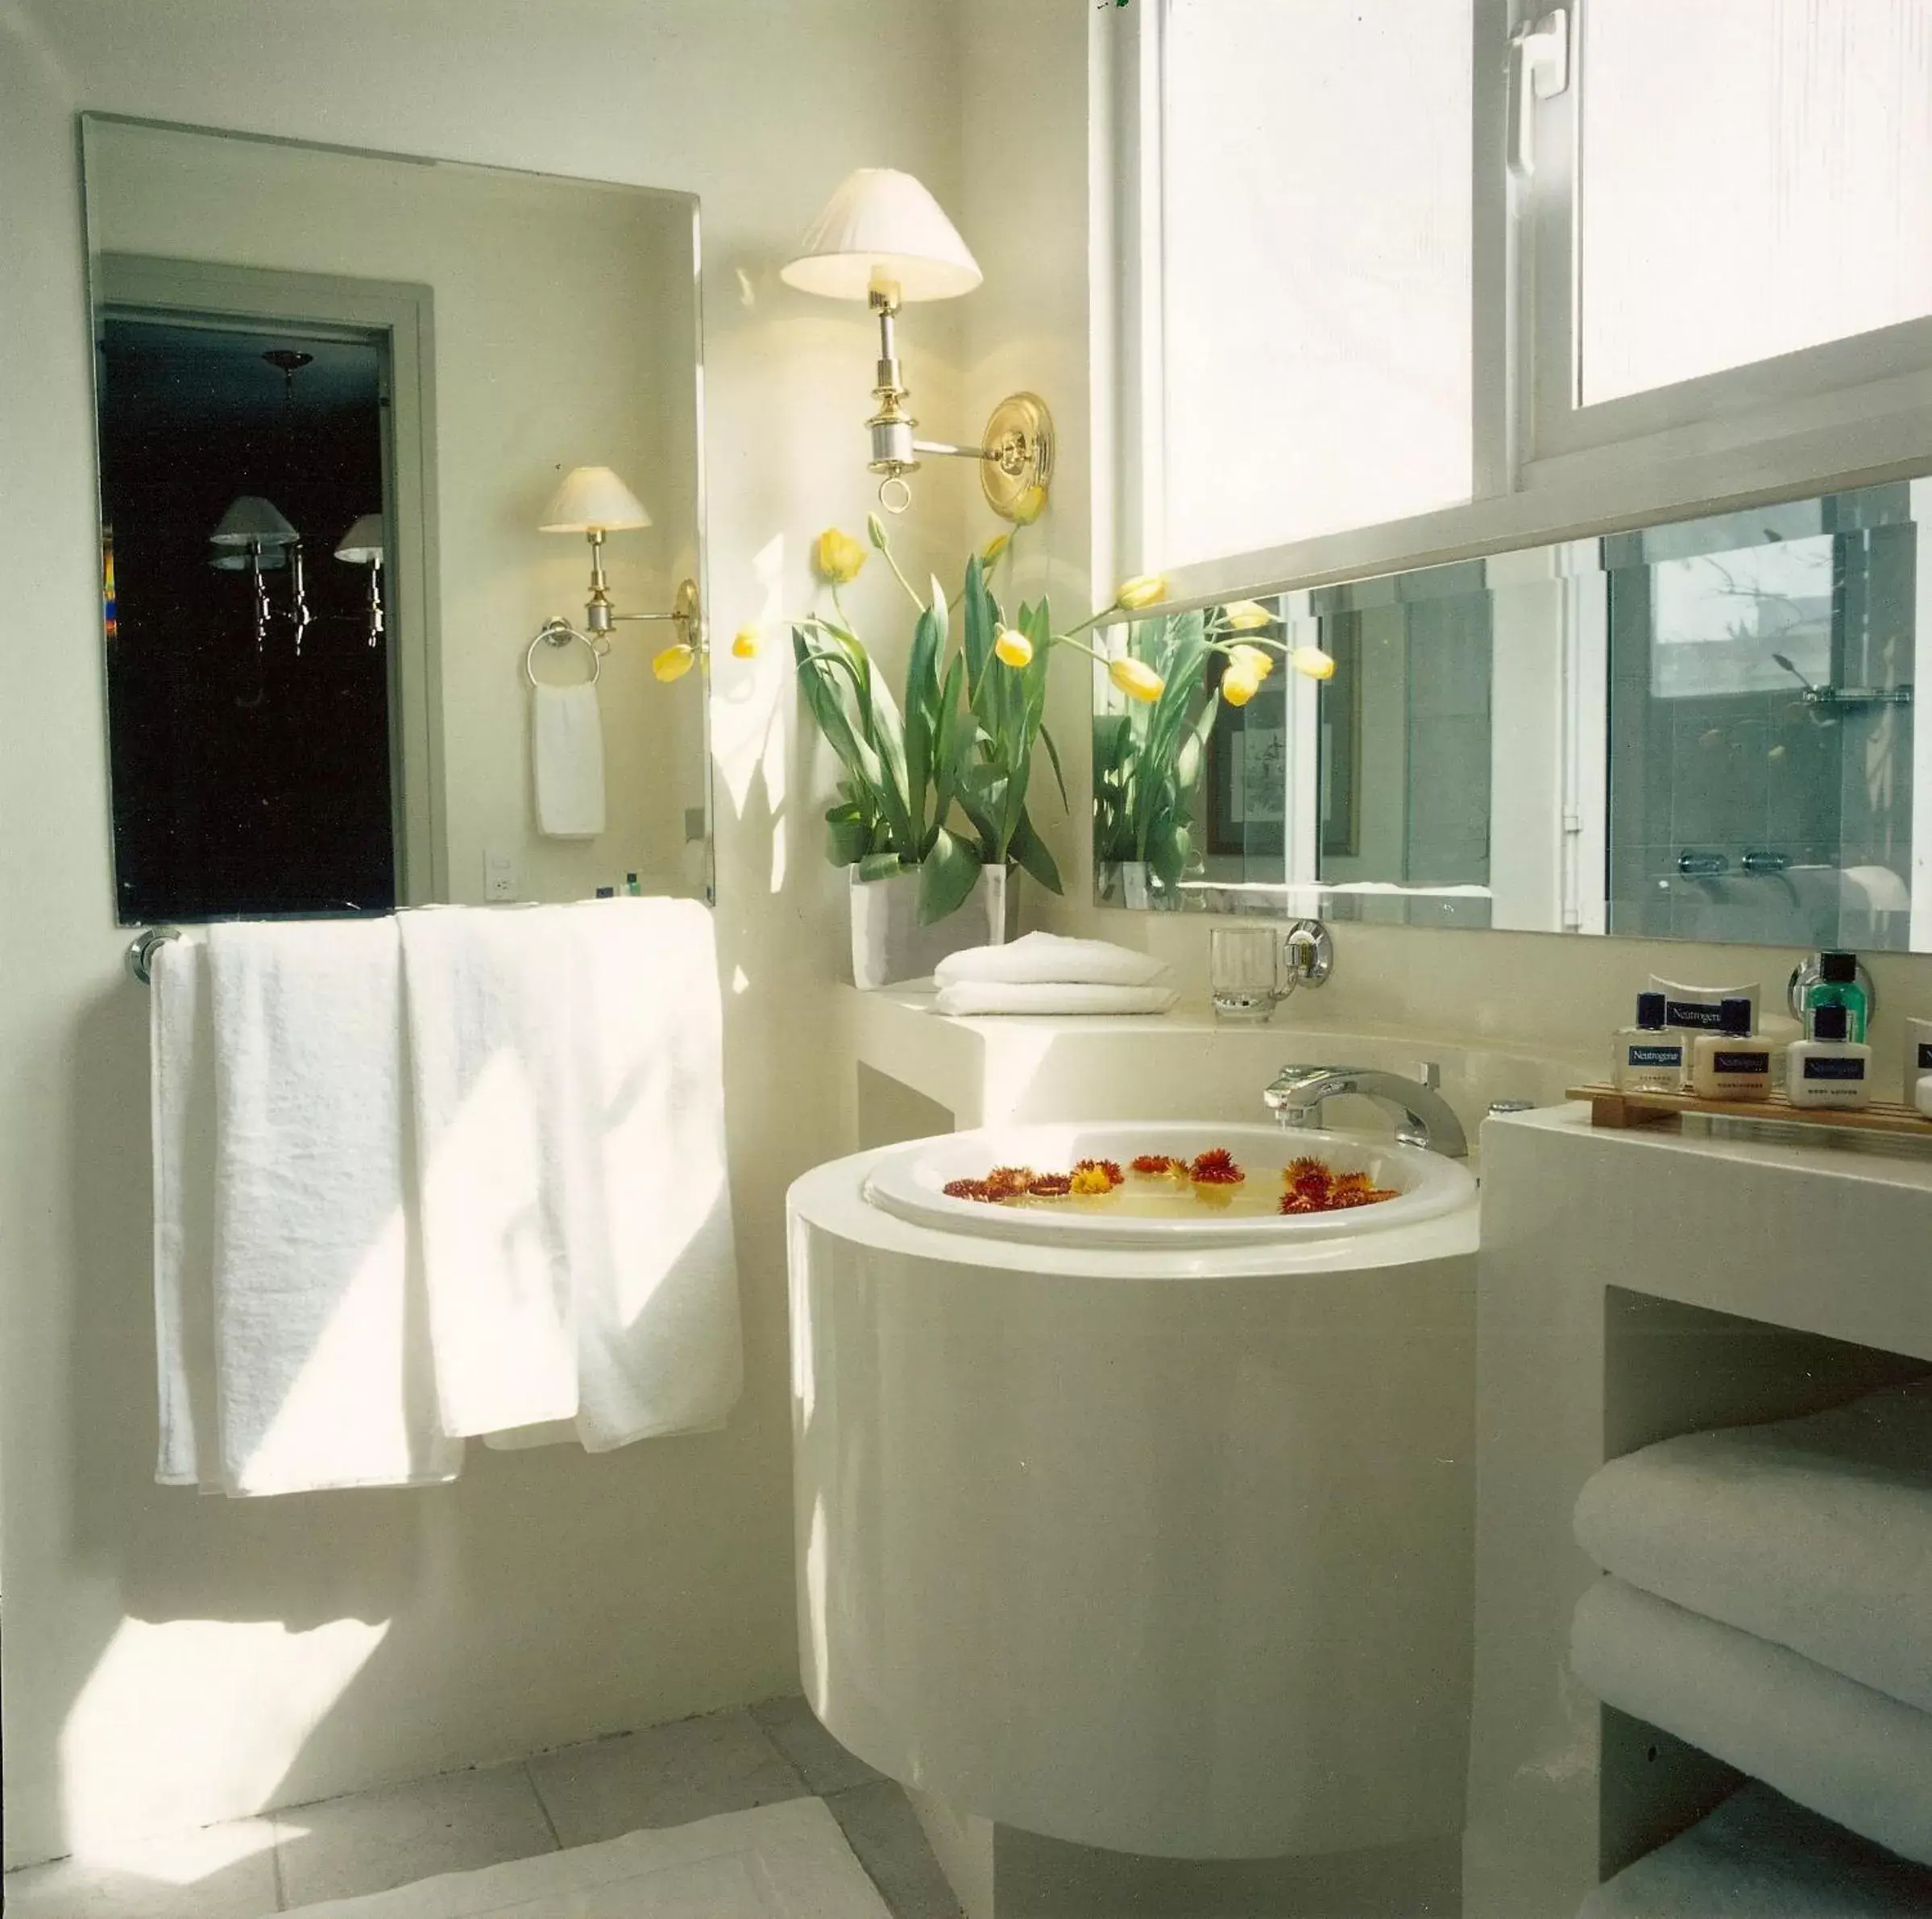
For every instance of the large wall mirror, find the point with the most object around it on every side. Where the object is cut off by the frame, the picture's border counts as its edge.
(336, 392)
(1700, 731)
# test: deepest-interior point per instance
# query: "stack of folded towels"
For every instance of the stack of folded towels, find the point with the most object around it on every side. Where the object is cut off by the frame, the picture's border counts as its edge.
(1770, 1601)
(1044, 973)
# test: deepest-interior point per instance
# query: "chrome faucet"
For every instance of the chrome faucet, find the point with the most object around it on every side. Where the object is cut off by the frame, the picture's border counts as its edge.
(1424, 1117)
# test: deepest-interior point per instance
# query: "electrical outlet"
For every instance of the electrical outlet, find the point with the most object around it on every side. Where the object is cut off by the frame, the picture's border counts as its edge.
(500, 879)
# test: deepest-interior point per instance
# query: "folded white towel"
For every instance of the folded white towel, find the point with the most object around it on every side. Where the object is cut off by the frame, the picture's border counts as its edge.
(323, 1369)
(1046, 959)
(1758, 1856)
(977, 997)
(501, 1068)
(660, 1350)
(1814, 1532)
(1858, 1756)
(181, 1052)
(567, 760)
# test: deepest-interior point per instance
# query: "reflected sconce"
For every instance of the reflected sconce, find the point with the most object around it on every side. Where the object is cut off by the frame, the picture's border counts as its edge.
(883, 238)
(254, 534)
(363, 546)
(593, 501)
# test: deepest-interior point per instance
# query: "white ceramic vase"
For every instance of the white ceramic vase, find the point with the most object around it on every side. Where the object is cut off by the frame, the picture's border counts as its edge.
(889, 945)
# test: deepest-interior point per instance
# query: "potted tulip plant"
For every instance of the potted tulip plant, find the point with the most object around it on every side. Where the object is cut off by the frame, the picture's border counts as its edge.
(931, 819)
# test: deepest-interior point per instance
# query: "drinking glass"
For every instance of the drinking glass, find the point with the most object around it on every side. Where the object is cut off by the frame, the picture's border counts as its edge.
(1247, 975)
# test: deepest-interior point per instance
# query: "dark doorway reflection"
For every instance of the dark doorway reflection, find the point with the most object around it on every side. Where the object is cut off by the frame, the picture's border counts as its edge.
(248, 780)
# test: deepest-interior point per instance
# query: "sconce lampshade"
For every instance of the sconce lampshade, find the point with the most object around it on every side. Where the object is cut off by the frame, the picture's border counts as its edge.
(252, 520)
(362, 544)
(882, 226)
(592, 500)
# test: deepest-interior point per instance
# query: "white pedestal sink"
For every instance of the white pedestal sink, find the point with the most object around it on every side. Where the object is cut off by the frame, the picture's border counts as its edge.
(1162, 1549)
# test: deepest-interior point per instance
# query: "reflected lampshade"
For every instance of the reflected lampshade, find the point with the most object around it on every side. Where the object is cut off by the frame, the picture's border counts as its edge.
(235, 559)
(252, 521)
(362, 544)
(882, 227)
(592, 500)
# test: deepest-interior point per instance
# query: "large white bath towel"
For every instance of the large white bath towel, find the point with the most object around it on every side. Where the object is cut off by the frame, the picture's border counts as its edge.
(659, 1344)
(1814, 1532)
(1048, 959)
(501, 1069)
(1758, 1856)
(322, 1362)
(1858, 1756)
(567, 760)
(568, 1063)
(974, 997)
(181, 1059)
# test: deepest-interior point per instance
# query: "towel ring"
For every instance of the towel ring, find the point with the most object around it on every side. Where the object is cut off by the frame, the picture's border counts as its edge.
(560, 633)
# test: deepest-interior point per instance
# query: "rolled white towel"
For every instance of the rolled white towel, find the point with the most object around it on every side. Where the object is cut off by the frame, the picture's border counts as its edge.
(1814, 1532)
(973, 997)
(1758, 1856)
(1860, 1757)
(1048, 959)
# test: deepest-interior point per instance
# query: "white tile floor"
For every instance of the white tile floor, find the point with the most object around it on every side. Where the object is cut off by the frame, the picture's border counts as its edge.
(369, 1841)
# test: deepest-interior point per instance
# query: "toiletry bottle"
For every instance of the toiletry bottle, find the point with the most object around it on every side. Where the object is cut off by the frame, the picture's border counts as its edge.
(1921, 1097)
(607, 893)
(631, 889)
(1828, 1069)
(1729, 1064)
(1837, 985)
(1918, 1054)
(1649, 1057)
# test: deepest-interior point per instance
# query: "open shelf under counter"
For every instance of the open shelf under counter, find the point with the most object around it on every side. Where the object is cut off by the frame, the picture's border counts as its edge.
(920, 1070)
(1634, 1284)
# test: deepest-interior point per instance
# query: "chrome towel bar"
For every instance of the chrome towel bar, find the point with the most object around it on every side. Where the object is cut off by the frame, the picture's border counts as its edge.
(141, 950)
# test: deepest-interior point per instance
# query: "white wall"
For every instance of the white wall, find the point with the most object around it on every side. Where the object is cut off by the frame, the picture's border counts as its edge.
(171, 1658)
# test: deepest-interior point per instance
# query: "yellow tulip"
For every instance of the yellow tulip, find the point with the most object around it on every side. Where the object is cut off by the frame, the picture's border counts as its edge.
(1015, 648)
(675, 662)
(1313, 661)
(1029, 506)
(1245, 616)
(1141, 590)
(993, 548)
(1135, 678)
(838, 556)
(745, 645)
(1237, 688)
(1257, 662)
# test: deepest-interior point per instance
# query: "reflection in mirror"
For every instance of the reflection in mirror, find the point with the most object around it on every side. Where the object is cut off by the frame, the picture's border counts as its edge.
(1700, 731)
(335, 391)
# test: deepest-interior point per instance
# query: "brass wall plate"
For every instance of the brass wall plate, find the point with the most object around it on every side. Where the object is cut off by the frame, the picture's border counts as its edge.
(1018, 445)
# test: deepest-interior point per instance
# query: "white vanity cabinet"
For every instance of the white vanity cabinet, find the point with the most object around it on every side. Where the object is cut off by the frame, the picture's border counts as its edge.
(1631, 1286)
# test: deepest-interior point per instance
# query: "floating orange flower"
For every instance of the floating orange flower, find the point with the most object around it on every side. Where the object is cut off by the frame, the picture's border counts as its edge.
(966, 1189)
(1009, 1182)
(1158, 1165)
(1216, 1168)
(1108, 1169)
(1051, 1186)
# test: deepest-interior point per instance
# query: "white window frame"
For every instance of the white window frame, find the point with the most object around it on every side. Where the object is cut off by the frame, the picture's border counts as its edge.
(1849, 413)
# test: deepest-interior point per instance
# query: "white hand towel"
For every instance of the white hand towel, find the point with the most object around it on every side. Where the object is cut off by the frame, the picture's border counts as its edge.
(501, 1077)
(1814, 1532)
(1046, 959)
(974, 997)
(322, 1362)
(181, 1052)
(659, 1343)
(1758, 1856)
(567, 760)
(1858, 1756)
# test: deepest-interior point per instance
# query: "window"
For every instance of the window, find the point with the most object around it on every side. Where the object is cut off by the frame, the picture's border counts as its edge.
(1407, 282)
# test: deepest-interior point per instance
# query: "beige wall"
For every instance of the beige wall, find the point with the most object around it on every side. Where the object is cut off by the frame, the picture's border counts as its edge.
(566, 329)
(173, 1659)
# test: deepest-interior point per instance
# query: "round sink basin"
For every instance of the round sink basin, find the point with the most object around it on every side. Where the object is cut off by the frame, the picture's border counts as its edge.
(911, 1184)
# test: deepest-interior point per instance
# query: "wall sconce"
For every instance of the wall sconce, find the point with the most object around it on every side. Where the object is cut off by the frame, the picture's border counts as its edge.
(884, 239)
(254, 534)
(363, 546)
(593, 501)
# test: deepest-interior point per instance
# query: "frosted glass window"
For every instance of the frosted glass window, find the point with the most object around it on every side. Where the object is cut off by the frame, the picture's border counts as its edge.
(1316, 247)
(1756, 178)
